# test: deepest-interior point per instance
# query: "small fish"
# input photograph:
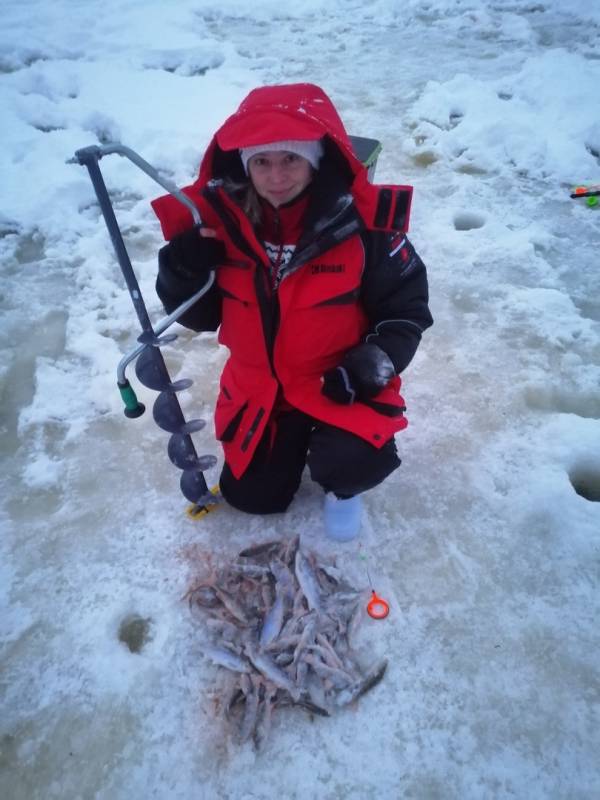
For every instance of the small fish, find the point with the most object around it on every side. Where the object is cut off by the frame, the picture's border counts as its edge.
(330, 650)
(308, 581)
(288, 555)
(350, 596)
(271, 671)
(227, 658)
(266, 594)
(284, 579)
(370, 679)
(282, 643)
(301, 674)
(235, 698)
(283, 659)
(325, 654)
(307, 637)
(291, 627)
(250, 570)
(339, 678)
(231, 605)
(298, 607)
(273, 622)
(204, 596)
(313, 708)
(305, 703)
(354, 623)
(334, 574)
(228, 632)
(261, 551)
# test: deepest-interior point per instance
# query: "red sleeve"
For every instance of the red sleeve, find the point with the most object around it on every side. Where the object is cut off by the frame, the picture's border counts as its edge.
(176, 218)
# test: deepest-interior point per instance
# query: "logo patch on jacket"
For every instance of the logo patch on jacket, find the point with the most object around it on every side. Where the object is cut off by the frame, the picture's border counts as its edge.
(403, 253)
(398, 243)
(316, 269)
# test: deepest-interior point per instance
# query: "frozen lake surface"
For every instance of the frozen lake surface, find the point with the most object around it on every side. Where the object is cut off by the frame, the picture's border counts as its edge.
(486, 542)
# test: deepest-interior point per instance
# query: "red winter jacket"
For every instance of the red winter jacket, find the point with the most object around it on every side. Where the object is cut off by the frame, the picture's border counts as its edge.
(353, 277)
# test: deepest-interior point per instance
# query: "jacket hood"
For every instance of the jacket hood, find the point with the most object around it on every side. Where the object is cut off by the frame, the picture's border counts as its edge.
(300, 111)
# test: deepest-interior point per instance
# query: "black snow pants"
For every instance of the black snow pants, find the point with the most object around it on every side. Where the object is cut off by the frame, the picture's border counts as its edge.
(339, 461)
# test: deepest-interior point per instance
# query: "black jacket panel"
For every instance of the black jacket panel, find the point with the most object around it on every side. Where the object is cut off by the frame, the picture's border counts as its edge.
(395, 296)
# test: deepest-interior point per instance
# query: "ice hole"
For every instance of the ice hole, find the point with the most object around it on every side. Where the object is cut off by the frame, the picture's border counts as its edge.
(466, 302)
(48, 128)
(564, 401)
(471, 169)
(468, 220)
(586, 482)
(31, 248)
(589, 307)
(425, 158)
(593, 151)
(135, 632)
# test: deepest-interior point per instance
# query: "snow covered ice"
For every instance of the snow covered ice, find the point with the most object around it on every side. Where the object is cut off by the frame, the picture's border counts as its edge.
(485, 542)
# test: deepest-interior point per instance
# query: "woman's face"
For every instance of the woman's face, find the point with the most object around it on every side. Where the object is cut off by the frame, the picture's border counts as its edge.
(279, 176)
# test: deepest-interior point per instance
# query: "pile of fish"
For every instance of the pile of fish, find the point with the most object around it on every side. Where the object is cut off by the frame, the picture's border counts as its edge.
(283, 623)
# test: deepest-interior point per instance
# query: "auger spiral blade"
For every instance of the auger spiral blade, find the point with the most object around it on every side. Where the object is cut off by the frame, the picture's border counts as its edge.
(167, 413)
(207, 462)
(183, 454)
(193, 425)
(193, 487)
(152, 372)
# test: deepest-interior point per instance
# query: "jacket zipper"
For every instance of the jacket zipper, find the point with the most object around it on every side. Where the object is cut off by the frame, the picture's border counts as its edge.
(266, 309)
(277, 265)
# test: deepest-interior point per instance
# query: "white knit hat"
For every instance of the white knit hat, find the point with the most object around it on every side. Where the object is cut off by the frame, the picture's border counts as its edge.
(311, 151)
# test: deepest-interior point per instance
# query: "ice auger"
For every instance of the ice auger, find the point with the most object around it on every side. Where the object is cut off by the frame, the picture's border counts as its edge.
(150, 366)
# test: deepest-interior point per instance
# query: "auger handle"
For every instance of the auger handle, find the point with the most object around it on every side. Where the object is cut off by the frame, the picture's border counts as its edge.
(95, 152)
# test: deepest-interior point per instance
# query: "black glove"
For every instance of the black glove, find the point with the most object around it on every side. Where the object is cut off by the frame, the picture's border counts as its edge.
(364, 372)
(190, 256)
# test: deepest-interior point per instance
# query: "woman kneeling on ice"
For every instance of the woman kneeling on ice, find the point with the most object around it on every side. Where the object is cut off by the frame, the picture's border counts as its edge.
(320, 298)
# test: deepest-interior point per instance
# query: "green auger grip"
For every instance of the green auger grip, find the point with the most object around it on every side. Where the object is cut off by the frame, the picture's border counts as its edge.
(133, 408)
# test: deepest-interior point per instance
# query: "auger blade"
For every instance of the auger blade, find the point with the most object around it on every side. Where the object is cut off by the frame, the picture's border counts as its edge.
(193, 425)
(182, 452)
(193, 485)
(167, 413)
(206, 462)
(151, 370)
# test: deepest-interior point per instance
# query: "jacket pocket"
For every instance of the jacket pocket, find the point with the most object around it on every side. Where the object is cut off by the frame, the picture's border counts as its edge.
(229, 412)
